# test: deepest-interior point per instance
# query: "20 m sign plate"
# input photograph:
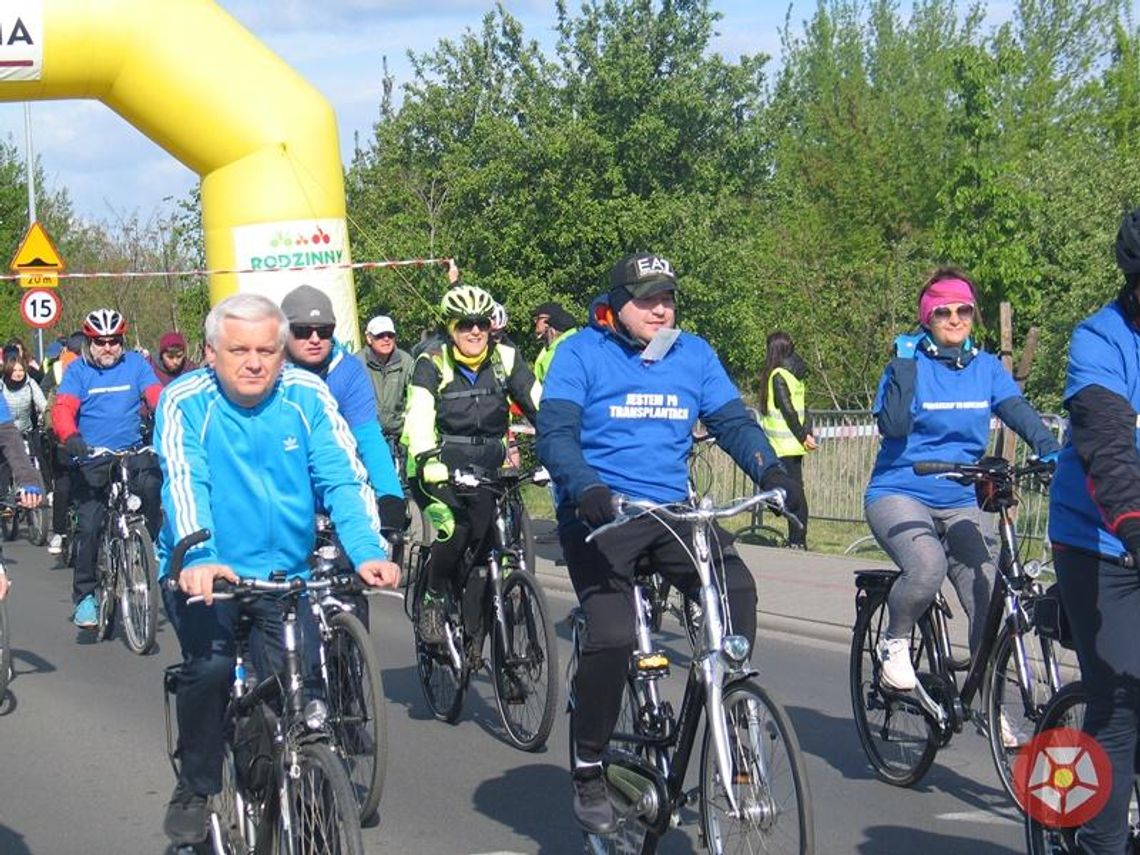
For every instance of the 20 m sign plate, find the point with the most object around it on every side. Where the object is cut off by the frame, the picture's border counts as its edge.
(40, 308)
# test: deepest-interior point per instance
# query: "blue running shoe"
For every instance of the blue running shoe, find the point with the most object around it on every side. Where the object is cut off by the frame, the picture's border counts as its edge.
(86, 613)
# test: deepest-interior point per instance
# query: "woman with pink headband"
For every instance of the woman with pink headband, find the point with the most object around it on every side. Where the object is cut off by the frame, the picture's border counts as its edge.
(934, 402)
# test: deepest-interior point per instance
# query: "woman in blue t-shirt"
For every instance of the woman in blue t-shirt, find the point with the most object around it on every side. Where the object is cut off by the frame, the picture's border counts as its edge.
(934, 403)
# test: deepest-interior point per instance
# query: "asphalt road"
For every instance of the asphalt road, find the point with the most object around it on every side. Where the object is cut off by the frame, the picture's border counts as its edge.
(83, 766)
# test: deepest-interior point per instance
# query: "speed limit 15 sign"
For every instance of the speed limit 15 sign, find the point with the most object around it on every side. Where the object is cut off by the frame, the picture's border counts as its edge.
(40, 308)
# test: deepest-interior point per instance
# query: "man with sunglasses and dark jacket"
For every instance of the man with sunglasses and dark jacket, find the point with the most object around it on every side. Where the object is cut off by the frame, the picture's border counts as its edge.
(310, 345)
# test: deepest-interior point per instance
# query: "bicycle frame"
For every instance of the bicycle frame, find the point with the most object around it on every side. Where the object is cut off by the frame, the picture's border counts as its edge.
(1005, 606)
(711, 668)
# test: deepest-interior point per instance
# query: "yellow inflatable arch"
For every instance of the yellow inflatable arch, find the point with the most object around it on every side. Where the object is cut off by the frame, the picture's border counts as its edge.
(191, 78)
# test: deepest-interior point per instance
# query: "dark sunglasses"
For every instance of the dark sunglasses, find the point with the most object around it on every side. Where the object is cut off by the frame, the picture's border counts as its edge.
(108, 341)
(323, 333)
(965, 312)
(467, 324)
(385, 335)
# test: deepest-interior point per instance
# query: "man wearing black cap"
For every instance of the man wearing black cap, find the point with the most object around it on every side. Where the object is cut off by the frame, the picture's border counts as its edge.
(310, 345)
(627, 388)
(552, 326)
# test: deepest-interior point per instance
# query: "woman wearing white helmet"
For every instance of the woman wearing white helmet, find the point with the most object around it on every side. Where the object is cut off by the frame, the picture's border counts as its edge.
(458, 402)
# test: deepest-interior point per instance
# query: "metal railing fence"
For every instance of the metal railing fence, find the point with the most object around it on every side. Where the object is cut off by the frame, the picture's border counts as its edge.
(836, 474)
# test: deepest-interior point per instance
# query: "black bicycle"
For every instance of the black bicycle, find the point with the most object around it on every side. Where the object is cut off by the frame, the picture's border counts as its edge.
(498, 595)
(284, 789)
(13, 515)
(752, 787)
(351, 677)
(1067, 710)
(1017, 668)
(126, 564)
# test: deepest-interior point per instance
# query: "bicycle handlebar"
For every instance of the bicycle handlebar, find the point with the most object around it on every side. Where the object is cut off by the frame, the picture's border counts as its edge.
(249, 586)
(686, 512)
(1000, 470)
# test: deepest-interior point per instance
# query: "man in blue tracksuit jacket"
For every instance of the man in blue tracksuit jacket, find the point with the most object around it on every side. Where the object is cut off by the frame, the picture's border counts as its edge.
(311, 346)
(618, 409)
(249, 450)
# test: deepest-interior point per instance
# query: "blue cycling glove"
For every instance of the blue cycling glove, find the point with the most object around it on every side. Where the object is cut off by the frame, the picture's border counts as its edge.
(906, 346)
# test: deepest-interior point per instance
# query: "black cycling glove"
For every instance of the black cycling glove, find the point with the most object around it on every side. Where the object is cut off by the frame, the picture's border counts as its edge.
(794, 501)
(1129, 532)
(596, 506)
(76, 445)
(393, 513)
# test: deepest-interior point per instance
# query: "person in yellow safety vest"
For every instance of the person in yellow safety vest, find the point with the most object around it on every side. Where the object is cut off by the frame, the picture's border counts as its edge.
(784, 417)
(552, 326)
(458, 403)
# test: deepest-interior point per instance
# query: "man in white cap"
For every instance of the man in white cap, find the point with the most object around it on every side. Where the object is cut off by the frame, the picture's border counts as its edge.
(390, 370)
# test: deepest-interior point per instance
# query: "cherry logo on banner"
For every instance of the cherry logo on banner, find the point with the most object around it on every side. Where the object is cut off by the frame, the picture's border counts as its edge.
(1063, 777)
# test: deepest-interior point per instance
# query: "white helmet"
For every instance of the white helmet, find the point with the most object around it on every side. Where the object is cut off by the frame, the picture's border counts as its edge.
(498, 318)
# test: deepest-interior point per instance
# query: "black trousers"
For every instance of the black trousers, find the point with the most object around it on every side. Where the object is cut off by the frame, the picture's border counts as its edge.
(795, 466)
(473, 510)
(602, 573)
(91, 498)
(1102, 601)
(206, 634)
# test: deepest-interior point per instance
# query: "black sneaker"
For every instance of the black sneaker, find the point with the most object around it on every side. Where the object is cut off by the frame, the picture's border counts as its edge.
(432, 624)
(592, 806)
(185, 822)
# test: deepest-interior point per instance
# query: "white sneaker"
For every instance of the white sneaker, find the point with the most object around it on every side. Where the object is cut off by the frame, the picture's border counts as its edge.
(55, 544)
(1012, 736)
(894, 656)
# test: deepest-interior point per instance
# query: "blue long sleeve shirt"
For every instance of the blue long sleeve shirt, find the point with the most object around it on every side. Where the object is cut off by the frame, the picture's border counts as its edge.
(255, 476)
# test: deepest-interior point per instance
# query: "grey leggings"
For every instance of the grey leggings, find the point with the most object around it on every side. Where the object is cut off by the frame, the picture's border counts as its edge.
(926, 544)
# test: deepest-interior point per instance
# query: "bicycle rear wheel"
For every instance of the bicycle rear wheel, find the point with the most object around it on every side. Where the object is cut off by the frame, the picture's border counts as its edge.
(631, 834)
(769, 781)
(1010, 716)
(5, 650)
(357, 714)
(526, 687)
(897, 737)
(323, 816)
(138, 590)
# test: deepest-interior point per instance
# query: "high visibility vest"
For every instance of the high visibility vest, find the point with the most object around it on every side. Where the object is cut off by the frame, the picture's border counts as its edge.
(784, 442)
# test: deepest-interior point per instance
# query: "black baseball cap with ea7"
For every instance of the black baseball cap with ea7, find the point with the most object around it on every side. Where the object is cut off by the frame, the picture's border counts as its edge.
(642, 274)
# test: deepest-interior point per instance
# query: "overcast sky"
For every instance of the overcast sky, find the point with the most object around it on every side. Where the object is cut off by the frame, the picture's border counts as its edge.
(111, 170)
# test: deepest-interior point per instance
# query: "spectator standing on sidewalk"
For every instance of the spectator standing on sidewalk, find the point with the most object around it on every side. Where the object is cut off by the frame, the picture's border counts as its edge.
(390, 370)
(784, 417)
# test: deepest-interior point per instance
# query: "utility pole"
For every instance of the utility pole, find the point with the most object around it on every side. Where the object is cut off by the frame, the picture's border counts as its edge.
(30, 164)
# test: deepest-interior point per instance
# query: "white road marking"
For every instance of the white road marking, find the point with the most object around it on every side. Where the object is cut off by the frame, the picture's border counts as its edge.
(997, 816)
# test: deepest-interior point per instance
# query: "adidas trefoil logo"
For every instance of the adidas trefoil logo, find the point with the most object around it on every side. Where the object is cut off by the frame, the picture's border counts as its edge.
(290, 443)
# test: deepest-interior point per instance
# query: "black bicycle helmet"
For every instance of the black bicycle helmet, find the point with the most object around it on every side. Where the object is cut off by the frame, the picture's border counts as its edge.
(1128, 243)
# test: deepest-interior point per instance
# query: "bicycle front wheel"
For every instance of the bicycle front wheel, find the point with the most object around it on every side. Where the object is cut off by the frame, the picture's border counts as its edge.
(357, 715)
(322, 817)
(526, 688)
(897, 737)
(1012, 712)
(769, 782)
(109, 572)
(138, 595)
(39, 522)
(5, 650)
(444, 685)
(1067, 709)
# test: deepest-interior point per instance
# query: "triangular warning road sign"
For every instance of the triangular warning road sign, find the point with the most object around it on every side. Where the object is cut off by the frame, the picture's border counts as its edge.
(36, 252)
